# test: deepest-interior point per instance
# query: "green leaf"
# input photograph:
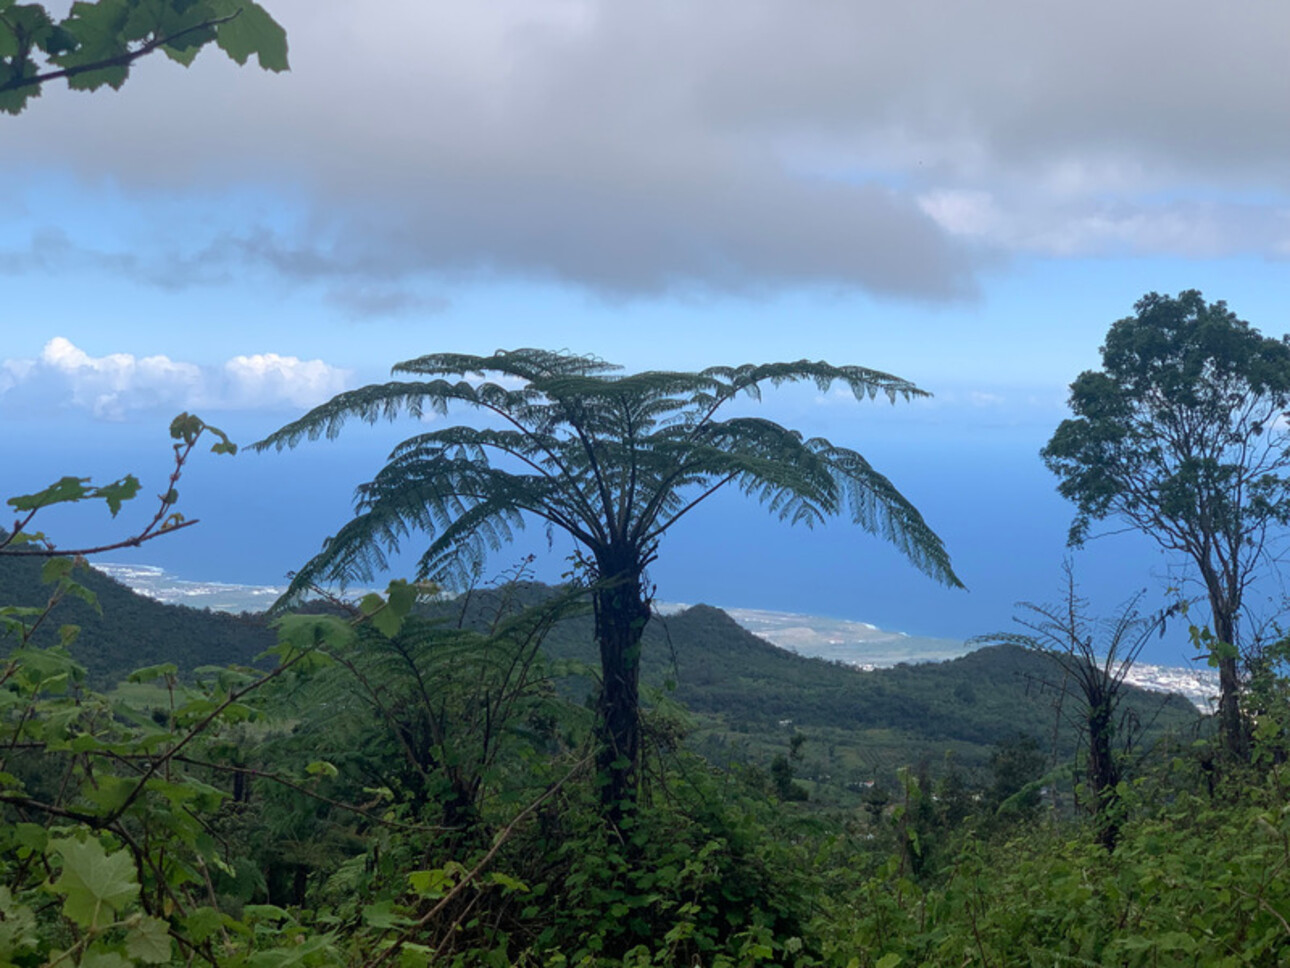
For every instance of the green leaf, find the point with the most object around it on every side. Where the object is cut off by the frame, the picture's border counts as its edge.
(186, 427)
(507, 882)
(46, 666)
(1176, 941)
(56, 568)
(94, 883)
(381, 915)
(890, 960)
(104, 959)
(77, 590)
(253, 31)
(322, 768)
(108, 793)
(99, 30)
(436, 882)
(149, 941)
(18, 931)
(165, 670)
(401, 596)
(183, 56)
(8, 40)
(31, 836)
(265, 912)
(12, 102)
(203, 922)
(64, 490)
(120, 491)
(305, 633)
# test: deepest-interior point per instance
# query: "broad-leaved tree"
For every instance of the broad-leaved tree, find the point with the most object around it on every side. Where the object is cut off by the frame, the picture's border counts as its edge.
(1182, 435)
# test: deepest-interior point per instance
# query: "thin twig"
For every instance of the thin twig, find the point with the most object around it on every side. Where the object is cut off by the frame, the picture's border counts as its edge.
(300, 788)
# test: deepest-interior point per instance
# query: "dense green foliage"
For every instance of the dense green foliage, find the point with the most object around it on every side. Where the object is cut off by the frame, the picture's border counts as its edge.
(748, 698)
(402, 790)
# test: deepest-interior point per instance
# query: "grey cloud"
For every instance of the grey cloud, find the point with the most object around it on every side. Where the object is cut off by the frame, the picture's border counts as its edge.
(729, 146)
(371, 301)
(50, 249)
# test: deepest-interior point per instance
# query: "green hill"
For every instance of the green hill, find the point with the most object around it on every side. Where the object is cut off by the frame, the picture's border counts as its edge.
(748, 698)
(133, 631)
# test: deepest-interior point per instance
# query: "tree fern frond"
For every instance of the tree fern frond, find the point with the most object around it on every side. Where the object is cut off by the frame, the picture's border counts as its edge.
(878, 507)
(529, 365)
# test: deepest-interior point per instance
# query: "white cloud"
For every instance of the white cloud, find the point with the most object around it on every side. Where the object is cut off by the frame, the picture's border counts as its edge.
(267, 379)
(13, 372)
(114, 386)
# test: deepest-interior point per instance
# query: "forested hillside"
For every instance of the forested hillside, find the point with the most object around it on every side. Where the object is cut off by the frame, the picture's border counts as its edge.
(128, 631)
(751, 697)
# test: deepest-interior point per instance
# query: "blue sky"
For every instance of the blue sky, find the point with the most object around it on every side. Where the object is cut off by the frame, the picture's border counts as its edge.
(967, 195)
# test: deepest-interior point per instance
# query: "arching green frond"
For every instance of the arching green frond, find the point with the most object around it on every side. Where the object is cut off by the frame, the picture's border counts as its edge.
(384, 401)
(863, 382)
(570, 490)
(468, 507)
(530, 365)
(878, 507)
(761, 458)
(355, 553)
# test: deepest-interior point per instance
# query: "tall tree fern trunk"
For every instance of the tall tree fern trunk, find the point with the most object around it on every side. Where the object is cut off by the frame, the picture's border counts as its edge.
(1103, 771)
(621, 615)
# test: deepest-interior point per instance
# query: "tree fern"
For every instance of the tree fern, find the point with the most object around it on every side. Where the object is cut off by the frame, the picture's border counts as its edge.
(612, 459)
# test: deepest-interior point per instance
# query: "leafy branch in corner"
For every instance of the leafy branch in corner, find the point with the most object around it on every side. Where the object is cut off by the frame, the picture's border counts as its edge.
(185, 430)
(97, 43)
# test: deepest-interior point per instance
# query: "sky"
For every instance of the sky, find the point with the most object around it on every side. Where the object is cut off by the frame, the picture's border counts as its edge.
(964, 194)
